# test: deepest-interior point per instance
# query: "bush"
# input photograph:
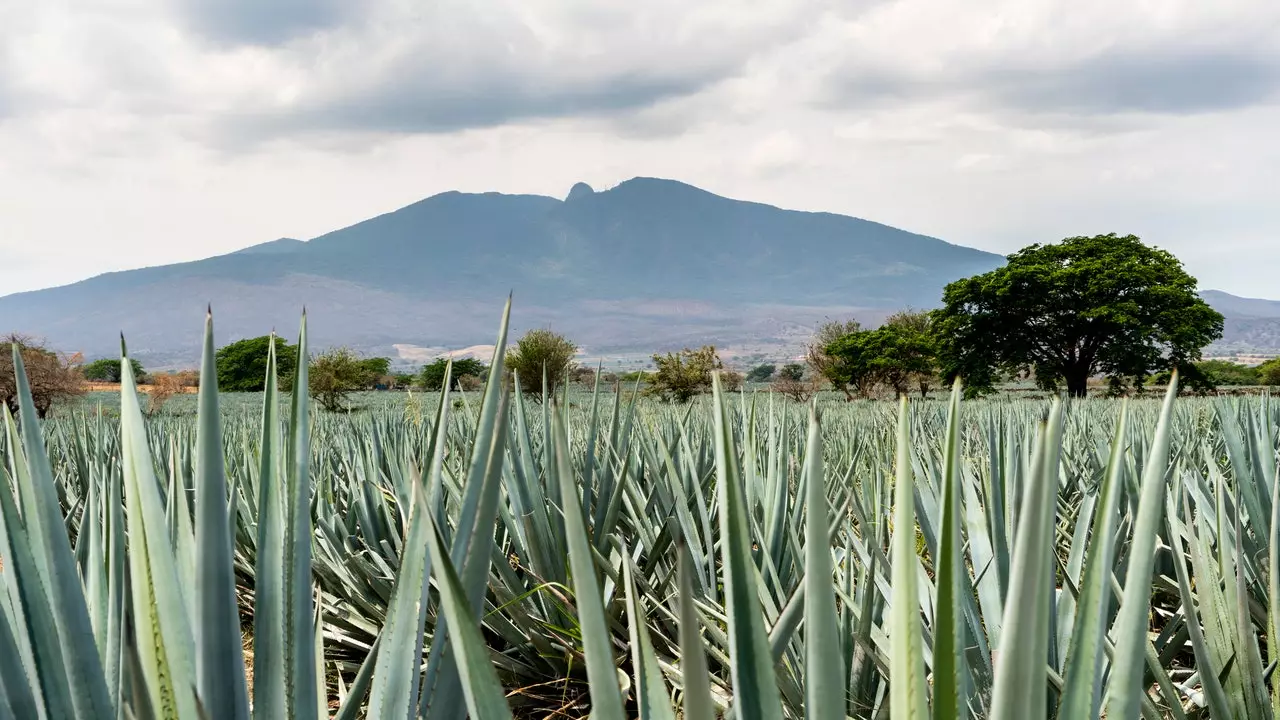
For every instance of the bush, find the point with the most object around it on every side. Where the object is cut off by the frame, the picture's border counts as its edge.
(761, 373)
(539, 354)
(242, 365)
(682, 376)
(822, 362)
(792, 371)
(108, 371)
(432, 375)
(1269, 372)
(797, 389)
(335, 374)
(1225, 372)
(163, 387)
(54, 377)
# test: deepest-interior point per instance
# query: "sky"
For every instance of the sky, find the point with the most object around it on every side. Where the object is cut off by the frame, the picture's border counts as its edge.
(145, 132)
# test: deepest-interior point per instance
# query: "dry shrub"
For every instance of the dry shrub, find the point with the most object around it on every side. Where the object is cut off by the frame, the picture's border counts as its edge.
(470, 383)
(800, 391)
(163, 387)
(53, 376)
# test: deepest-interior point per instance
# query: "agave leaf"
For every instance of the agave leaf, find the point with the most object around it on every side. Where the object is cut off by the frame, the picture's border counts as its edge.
(693, 663)
(300, 687)
(43, 516)
(948, 641)
(269, 666)
(1021, 684)
(480, 686)
(755, 685)
(606, 698)
(651, 692)
(161, 619)
(219, 654)
(907, 690)
(1127, 684)
(824, 666)
(1082, 695)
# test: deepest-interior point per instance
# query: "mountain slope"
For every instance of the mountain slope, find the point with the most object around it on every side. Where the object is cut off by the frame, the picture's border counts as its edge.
(1252, 326)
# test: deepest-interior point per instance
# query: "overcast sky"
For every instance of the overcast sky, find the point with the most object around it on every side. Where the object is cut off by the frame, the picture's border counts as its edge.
(142, 132)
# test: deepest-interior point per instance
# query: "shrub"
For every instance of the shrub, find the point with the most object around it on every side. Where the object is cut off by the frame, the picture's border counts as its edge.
(539, 354)
(792, 371)
(822, 362)
(54, 377)
(761, 373)
(163, 387)
(1269, 372)
(432, 375)
(107, 370)
(335, 374)
(242, 365)
(682, 376)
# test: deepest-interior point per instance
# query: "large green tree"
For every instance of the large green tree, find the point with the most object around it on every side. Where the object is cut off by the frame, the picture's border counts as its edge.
(108, 370)
(432, 377)
(1103, 305)
(242, 365)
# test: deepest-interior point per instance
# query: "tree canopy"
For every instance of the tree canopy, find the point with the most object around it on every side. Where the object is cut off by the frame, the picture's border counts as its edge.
(1269, 372)
(899, 354)
(242, 365)
(108, 370)
(432, 375)
(541, 354)
(761, 373)
(1103, 305)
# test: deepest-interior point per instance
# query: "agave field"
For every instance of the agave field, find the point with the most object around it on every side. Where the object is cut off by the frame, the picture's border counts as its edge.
(492, 556)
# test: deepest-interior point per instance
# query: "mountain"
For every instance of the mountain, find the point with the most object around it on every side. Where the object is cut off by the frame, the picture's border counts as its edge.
(648, 265)
(1251, 327)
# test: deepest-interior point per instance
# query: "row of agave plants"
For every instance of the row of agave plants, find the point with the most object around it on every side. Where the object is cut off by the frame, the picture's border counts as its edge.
(741, 557)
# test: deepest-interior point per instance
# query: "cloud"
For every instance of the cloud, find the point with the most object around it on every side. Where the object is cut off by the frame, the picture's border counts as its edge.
(261, 22)
(1070, 60)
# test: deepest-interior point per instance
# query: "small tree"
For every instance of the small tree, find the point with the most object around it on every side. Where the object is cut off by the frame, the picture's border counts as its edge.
(824, 364)
(107, 370)
(53, 377)
(539, 354)
(791, 383)
(683, 375)
(432, 376)
(761, 373)
(1269, 372)
(792, 371)
(242, 365)
(335, 374)
(162, 387)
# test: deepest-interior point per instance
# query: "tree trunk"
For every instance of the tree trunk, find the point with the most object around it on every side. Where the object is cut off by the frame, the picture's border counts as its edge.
(1078, 383)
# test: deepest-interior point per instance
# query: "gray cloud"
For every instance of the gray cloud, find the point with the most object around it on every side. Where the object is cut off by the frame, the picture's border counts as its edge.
(261, 22)
(1165, 81)
(434, 105)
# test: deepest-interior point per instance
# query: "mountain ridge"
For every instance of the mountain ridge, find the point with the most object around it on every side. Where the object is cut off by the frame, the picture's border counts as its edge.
(646, 265)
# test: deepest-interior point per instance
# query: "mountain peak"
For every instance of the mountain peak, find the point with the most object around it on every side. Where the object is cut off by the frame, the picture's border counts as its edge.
(579, 191)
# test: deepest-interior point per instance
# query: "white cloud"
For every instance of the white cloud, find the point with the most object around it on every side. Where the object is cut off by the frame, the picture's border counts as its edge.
(138, 132)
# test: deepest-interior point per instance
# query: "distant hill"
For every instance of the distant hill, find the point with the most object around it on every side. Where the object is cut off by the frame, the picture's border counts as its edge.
(1252, 326)
(646, 265)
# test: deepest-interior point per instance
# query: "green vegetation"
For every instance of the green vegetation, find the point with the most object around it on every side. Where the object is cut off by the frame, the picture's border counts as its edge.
(792, 371)
(824, 364)
(1086, 306)
(761, 373)
(541, 361)
(108, 371)
(338, 372)
(432, 376)
(1269, 372)
(682, 376)
(988, 559)
(242, 365)
(899, 354)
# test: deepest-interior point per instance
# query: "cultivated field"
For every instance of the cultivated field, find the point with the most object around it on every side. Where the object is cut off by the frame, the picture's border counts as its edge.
(1009, 558)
